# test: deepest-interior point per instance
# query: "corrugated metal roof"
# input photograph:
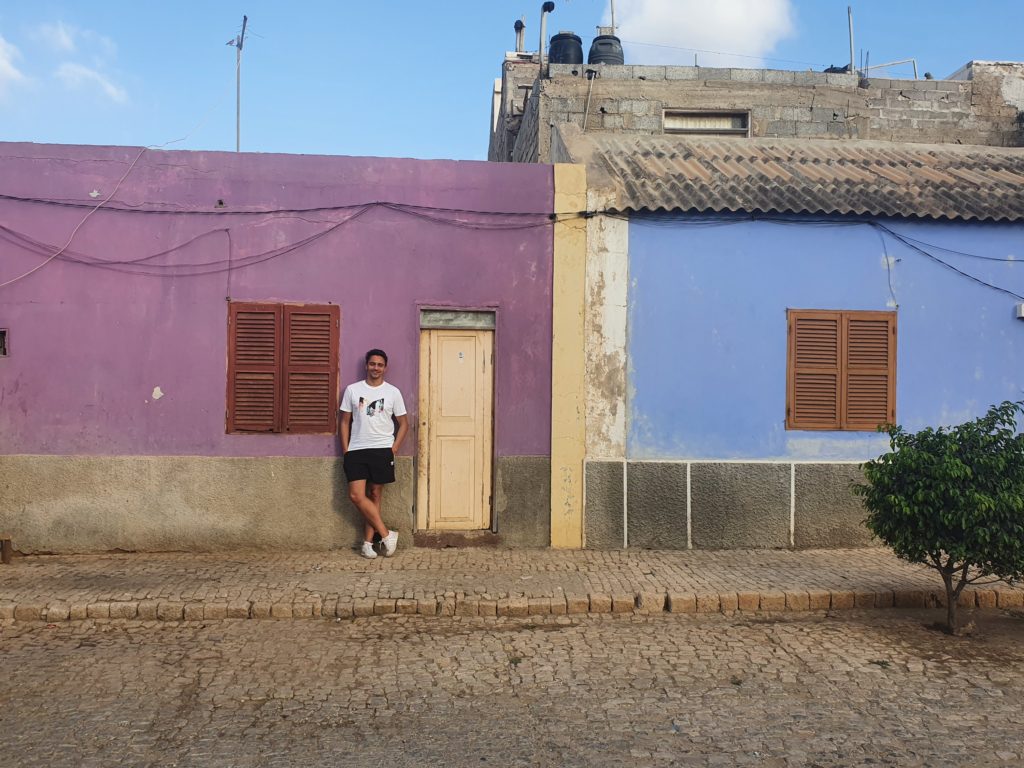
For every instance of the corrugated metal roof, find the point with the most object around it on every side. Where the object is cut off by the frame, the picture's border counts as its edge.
(644, 172)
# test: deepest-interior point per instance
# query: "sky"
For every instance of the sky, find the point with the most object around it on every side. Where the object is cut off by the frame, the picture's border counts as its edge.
(407, 78)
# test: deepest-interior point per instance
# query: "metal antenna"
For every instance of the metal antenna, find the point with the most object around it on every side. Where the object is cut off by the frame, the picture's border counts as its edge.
(238, 42)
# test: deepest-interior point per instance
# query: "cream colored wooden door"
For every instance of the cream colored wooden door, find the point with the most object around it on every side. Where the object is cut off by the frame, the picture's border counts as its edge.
(456, 396)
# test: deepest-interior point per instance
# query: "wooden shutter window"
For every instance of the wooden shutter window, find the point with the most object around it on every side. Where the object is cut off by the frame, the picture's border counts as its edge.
(311, 369)
(282, 368)
(254, 365)
(841, 370)
(814, 381)
(870, 369)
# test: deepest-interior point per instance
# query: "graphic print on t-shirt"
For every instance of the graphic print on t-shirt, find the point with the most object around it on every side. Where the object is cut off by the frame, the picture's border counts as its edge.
(372, 408)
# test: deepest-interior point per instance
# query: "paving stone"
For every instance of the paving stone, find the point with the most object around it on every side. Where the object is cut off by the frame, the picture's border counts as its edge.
(728, 601)
(623, 603)
(708, 603)
(605, 690)
(169, 611)
(362, 607)
(577, 604)
(29, 612)
(518, 606)
(798, 601)
(314, 584)
(651, 602)
(864, 599)
(192, 612)
(773, 601)
(57, 612)
(213, 611)
(684, 602)
(384, 607)
(600, 603)
(819, 600)
(843, 599)
(405, 607)
(1006, 598)
(748, 601)
(539, 606)
(98, 610)
(986, 598)
(910, 598)
(125, 610)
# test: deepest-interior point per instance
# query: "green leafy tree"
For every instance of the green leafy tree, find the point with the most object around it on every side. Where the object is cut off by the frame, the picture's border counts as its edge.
(953, 499)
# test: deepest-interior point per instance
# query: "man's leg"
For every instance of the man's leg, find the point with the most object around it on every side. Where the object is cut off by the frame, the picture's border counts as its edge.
(363, 498)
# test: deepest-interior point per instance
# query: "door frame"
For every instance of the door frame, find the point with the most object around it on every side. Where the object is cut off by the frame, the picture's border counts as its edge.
(436, 318)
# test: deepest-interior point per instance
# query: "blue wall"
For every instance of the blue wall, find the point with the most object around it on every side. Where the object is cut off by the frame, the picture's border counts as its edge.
(707, 327)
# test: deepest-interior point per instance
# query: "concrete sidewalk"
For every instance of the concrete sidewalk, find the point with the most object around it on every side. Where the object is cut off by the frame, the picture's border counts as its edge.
(182, 586)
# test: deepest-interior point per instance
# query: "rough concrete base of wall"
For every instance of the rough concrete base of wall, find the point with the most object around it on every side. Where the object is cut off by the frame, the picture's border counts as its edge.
(602, 511)
(522, 500)
(165, 503)
(67, 504)
(827, 513)
(739, 506)
(723, 505)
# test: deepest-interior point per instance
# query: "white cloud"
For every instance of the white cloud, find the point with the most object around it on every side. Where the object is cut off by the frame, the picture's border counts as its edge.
(67, 38)
(9, 73)
(741, 31)
(76, 76)
(59, 36)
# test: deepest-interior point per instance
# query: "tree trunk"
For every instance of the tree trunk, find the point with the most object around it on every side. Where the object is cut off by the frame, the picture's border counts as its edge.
(951, 599)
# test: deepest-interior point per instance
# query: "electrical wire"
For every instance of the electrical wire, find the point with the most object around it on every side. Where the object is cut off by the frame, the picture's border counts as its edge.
(445, 216)
(82, 222)
(916, 245)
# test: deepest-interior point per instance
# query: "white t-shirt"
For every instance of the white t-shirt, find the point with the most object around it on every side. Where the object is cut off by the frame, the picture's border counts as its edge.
(372, 409)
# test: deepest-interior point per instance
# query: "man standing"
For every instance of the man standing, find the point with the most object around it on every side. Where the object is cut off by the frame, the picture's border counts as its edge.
(369, 444)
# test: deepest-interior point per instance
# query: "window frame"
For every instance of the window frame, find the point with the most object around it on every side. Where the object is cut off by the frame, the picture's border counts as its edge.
(670, 112)
(271, 360)
(863, 375)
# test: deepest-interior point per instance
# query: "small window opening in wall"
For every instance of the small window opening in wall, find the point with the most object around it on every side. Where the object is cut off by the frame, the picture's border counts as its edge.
(707, 123)
(3, 342)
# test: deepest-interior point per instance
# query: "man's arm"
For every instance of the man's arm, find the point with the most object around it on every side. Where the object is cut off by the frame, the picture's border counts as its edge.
(403, 428)
(345, 430)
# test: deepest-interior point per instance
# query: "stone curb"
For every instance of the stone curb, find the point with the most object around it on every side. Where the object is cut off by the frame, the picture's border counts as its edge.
(641, 603)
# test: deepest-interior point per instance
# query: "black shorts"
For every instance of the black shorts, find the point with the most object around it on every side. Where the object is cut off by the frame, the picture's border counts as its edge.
(374, 464)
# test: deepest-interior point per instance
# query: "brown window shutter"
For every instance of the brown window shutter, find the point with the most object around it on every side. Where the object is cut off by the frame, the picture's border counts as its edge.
(254, 365)
(870, 369)
(814, 375)
(311, 368)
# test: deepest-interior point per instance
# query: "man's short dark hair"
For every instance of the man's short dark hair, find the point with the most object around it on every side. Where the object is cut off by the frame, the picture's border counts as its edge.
(377, 353)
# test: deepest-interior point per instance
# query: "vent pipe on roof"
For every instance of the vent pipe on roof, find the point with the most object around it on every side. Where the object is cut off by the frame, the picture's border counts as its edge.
(545, 9)
(520, 25)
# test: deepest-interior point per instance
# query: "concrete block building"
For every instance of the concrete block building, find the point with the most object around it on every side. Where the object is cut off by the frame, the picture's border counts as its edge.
(778, 263)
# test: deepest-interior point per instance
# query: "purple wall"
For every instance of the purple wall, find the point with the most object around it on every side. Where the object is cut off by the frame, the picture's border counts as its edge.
(88, 344)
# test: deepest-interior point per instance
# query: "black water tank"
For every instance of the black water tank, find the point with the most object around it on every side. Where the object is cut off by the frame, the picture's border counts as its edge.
(606, 49)
(566, 48)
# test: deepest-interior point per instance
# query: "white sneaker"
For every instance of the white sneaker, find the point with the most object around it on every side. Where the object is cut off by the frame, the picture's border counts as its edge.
(368, 550)
(390, 543)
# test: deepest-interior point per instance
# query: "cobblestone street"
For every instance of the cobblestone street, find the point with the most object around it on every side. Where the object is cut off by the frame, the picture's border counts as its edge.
(794, 689)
